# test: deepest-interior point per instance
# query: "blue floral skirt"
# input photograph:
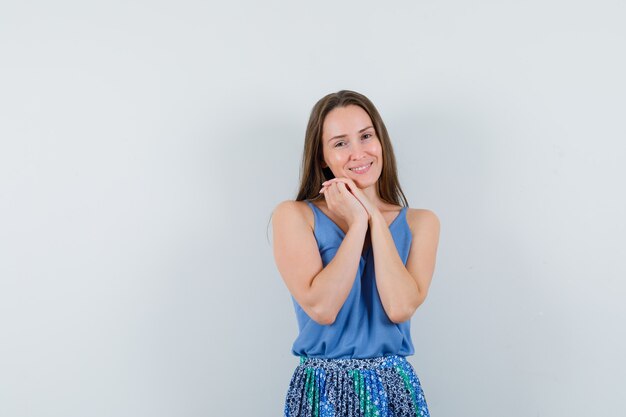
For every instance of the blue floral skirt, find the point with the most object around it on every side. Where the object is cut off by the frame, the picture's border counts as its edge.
(385, 386)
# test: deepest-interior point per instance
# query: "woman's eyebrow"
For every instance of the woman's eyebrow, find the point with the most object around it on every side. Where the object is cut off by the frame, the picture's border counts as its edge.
(344, 135)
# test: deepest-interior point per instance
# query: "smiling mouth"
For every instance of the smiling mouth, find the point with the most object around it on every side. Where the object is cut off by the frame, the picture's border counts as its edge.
(362, 169)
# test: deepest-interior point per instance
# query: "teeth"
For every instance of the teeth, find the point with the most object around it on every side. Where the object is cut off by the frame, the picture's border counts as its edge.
(360, 168)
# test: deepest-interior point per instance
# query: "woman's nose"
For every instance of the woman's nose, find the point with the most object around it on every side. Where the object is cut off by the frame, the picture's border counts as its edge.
(358, 151)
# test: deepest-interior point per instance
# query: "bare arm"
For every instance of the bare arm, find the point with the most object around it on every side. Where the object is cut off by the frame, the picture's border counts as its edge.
(403, 289)
(320, 291)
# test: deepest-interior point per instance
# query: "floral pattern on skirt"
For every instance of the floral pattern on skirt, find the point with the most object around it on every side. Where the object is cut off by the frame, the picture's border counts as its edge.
(386, 386)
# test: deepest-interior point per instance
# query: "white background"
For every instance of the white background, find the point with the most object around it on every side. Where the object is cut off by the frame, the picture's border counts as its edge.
(144, 145)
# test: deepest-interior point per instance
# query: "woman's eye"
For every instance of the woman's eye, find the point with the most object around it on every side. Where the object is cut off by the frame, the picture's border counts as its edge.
(365, 136)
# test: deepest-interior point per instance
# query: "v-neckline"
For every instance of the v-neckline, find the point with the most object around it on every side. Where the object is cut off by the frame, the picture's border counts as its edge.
(365, 254)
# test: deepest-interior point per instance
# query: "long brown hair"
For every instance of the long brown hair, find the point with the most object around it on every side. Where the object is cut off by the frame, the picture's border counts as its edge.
(311, 172)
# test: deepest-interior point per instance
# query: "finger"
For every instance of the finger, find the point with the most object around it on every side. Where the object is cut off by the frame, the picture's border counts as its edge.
(329, 193)
(334, 180)
(326, 186)
(342, 189)
(347, 186)
(335, 189)
(345, 180)
(347, 193)
(332, 195)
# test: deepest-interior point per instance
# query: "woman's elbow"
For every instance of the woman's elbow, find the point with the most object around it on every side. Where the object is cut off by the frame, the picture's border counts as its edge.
(323, 316)
(402, 315)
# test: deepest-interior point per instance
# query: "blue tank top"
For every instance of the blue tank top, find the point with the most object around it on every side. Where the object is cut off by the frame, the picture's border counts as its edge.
(361, 328)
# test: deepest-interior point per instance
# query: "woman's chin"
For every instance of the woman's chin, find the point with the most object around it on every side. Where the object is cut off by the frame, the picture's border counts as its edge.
(362, 185)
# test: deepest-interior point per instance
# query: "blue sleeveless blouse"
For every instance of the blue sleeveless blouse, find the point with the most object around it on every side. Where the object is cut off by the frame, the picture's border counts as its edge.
(361, 328)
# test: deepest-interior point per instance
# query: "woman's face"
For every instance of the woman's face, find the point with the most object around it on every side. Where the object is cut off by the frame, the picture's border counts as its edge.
(349, 141)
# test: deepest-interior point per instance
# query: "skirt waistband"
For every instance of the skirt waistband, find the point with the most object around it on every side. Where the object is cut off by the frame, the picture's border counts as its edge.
(353, 363)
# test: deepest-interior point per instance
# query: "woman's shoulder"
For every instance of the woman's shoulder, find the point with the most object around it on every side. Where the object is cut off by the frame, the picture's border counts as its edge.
(292, 205)
(294, 210)
(420, 211)
(421, 217)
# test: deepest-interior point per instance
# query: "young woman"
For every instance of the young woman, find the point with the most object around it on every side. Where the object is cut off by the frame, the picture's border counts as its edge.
(357, 263)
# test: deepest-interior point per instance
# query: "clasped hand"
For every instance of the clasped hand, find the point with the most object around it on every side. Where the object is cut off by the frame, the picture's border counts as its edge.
(347, 200)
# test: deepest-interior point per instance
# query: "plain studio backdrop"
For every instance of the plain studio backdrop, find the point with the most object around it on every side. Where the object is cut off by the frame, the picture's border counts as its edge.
(145, 144)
